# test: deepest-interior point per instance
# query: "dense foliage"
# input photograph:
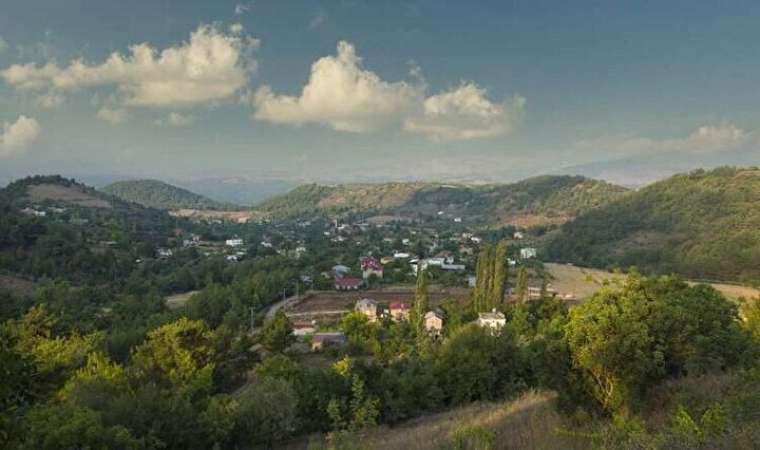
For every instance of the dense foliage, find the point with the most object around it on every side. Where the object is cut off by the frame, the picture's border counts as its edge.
(701, 225)
(160, 195)
(553, 197)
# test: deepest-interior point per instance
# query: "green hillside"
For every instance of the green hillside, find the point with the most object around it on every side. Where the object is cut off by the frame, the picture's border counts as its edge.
(705, 224)
(160, 195)
(52, 227)
(547, 199)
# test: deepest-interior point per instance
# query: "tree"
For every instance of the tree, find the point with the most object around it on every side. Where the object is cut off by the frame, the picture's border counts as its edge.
(500, 275)
(421, 305)
(277, 334)
(521, 285)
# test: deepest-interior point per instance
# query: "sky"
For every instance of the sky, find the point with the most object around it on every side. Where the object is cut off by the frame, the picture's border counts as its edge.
(357, 90)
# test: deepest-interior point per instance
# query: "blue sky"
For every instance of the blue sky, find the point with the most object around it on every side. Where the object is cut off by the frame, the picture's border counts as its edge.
(489, 91)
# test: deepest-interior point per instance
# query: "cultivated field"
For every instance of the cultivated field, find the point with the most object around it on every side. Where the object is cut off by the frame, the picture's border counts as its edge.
(178, 300)
(66, 194)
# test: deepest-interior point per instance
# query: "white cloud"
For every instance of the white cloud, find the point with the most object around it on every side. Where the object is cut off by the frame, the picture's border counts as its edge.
(242, 8)
(112, 116)
(17, 135)
(705, 139)
(465, 113)
(211, 66)
(318, 20)
(50, 100)
(341, 95)
(180, 120)
(236, 28)
(3, 45)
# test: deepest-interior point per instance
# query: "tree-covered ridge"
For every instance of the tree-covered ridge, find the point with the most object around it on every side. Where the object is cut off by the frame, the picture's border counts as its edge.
(157, 194)
(83, 244)
(703, 224)
(551, 196)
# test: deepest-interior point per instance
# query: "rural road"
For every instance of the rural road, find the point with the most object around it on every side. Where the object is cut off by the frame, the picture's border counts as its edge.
(283, 303)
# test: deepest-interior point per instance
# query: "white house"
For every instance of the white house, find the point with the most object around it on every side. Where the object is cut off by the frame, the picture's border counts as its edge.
(368, 307)
(528, 253)
(235, 242)
(494, 320)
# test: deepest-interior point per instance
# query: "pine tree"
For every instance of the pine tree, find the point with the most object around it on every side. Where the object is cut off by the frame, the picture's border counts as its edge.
(521, 286)
(500, 275)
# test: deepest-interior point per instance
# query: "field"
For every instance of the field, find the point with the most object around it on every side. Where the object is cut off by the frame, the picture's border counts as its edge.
(211, 214)
(178, 300)
(74, 195)
(581, 282)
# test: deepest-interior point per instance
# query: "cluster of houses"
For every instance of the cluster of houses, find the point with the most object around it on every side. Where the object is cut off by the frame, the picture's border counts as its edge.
(433, 322)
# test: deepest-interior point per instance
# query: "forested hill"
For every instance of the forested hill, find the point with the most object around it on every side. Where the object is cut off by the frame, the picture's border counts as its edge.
(540, 200)
(704, 224)
(160, 195)
(52, 227)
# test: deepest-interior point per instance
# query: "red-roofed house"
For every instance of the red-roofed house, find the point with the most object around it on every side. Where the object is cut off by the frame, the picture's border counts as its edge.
(348, 284)
(399, 311)
(371, 266)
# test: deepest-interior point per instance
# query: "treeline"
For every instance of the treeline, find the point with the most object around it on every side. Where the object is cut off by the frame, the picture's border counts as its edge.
(160, 195)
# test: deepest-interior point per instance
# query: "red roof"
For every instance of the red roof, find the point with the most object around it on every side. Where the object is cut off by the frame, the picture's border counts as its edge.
(348, 282)
(399, 305)
(371, 263)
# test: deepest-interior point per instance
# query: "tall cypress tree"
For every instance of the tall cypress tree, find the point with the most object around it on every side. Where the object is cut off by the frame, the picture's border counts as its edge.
(521, 285)
(483, 282)
(420, 301)
(500, 275)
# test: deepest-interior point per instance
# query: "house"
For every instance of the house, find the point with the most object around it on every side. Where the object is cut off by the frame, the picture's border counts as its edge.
(339, 270)
(494, 320)
(321, 341)
(371, 266)
(386, 260)
(235, 242)
(304, 328)
(534, 293)
(165, 253)
(518, 235)
(401, 255)
(472, 280)
(368, 307)
(528, 253)
(433, 322)
(399, 311)
(348, 284)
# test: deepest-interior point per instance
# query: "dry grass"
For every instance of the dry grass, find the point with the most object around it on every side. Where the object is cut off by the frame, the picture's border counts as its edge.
(178, 300)
(528, 422)
(583, 282)
(68, 194)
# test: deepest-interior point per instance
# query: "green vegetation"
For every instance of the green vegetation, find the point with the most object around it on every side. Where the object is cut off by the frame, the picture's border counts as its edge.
(492, 273)
(701, 225)
(160, 195)
(550, 198)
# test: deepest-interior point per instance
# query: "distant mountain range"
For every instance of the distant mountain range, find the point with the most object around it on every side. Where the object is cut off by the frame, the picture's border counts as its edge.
(540, 200)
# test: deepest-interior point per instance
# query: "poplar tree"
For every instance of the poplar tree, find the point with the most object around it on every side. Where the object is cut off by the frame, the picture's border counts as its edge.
(521, 285)
(500, 274)
(420, 300)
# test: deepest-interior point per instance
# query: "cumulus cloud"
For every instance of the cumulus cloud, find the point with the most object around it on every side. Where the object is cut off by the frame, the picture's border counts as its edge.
(50, 100)
(211, 66)
(341, 94)
(705, 139)
(465, 113)
(112, 116)
(18, 135)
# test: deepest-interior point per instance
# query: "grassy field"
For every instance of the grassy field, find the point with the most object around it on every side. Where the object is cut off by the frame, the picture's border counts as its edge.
(69, 194)
(528, 422)
(178, 300)
(582, 282)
